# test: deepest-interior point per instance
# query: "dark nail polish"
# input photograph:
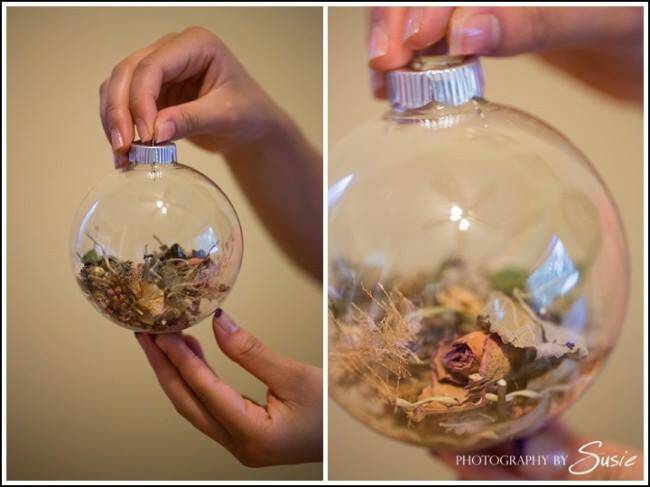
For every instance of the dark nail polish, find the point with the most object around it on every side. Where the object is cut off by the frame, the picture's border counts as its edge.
(218, 313)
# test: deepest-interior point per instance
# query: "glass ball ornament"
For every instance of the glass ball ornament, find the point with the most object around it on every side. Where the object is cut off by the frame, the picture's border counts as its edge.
(478, 268)
(157, 246)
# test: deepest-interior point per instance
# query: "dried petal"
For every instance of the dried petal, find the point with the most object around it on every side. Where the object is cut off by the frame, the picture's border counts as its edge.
(439, 370)
(464, 357)
(152, 300)
(495, 362)
(475, 353)
(135, 287)
(445, 395)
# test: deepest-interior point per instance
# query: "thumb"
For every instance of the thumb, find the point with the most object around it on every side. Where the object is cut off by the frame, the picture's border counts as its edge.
(504, 31)
(196, 117)
(279, 373)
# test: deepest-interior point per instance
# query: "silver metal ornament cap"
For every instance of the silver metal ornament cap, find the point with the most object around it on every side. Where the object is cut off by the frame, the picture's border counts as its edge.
(143, 153)
(445, 80)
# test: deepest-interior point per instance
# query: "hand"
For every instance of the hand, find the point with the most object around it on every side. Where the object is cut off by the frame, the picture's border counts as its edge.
(185, 85)
(289, 429)
(601, 46)
(190, 85)
(582, 455)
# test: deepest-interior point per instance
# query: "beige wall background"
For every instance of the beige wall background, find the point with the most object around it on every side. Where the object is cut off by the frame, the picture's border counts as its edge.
(82, 401)
(611, 135)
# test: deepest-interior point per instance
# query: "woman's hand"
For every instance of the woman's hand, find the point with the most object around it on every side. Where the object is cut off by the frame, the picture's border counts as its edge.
(601, 46)
(185, 85)
(287, 430)
(190, 85)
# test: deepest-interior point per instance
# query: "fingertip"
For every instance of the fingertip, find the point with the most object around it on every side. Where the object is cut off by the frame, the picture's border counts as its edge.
(164, 130)
(144, 114)
(413, 23)
(140, 339)
(120, 160)
(386, 50)
(392, 60)
(379, 42)
(378, 84)
(143, 130)
(223, 325)
(474, 32)
(425, 27)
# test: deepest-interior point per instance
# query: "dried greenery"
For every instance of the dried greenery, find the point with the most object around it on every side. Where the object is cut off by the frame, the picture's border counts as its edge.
(455, 350)
(164, 292)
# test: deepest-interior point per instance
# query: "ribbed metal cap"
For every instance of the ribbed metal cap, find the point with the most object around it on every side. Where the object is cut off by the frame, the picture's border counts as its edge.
(143, 153)
(441, 79)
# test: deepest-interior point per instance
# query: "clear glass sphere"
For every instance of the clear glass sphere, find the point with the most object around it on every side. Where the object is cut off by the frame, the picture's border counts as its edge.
(477, 274)
(156, 247)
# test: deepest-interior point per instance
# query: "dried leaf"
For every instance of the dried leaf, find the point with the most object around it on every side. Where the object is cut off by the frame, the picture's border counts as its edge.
(560, 341)
(91, 257)
(511, 322)
(517, 324)
(508, 279)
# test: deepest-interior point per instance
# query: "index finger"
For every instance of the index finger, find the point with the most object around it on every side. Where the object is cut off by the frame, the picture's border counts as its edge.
(425, 26)
(387, 49)
(187, 55)
(235, 413)
(114, 98)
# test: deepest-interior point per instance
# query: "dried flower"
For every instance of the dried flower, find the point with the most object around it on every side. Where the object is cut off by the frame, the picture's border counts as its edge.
(475, 353)
(163, 292)
(487, 351)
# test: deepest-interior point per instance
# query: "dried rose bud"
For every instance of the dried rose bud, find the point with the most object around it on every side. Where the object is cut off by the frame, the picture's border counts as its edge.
(475, 353)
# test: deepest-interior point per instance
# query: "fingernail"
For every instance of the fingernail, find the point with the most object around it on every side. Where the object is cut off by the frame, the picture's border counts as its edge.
(478, 34)
(413, 22)
(224, 323)
(165, 131)
(378, 41)
(116, 139)
(120, 160)
(143, 131)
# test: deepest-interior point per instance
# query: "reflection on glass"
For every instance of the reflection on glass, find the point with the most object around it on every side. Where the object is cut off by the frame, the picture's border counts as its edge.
(555, 277)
